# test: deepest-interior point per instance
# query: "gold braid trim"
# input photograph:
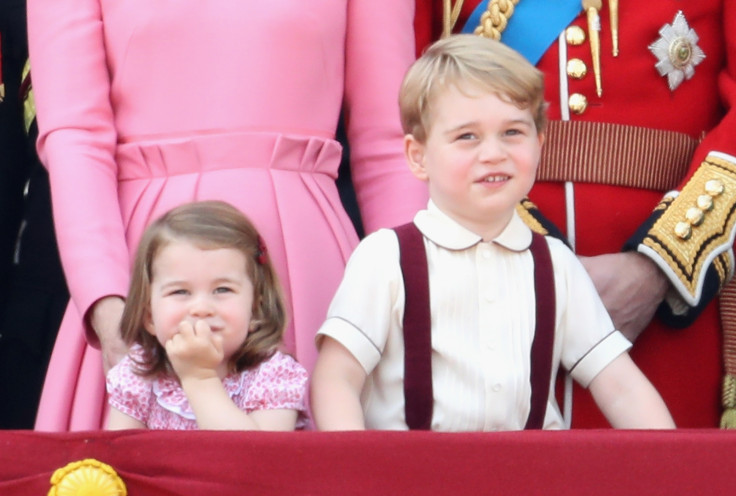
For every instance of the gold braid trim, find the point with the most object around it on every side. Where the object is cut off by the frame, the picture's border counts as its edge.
(494, 20)
(688, 254)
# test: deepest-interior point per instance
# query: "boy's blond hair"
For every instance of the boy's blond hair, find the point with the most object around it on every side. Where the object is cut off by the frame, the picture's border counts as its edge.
(469, 62)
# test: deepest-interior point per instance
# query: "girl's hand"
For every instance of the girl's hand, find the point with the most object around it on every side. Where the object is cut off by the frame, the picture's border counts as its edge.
(195, 352)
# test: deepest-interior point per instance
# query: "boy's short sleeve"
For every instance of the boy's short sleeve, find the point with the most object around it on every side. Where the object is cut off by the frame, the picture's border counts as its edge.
(127, 391)
(369, 303)
(589, 339)
(585, 370)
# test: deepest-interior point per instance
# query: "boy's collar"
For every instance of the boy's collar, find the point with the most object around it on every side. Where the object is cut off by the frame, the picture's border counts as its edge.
(444, 231)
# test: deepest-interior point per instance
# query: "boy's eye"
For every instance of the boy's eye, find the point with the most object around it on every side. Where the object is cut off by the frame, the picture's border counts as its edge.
(466, 136)
(514, 132)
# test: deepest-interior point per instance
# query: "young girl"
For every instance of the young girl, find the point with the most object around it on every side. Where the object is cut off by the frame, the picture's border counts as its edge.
(204, 318)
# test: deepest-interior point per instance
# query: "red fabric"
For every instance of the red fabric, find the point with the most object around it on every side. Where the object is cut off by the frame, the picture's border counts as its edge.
(165, 463)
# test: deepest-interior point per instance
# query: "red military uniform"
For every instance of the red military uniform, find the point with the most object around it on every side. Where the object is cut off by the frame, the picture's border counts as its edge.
(615, 194)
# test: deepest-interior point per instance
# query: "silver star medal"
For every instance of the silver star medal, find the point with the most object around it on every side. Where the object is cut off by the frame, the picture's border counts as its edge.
(677, 51)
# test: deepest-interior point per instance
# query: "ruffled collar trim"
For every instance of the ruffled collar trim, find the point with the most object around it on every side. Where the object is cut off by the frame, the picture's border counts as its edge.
(170, 395)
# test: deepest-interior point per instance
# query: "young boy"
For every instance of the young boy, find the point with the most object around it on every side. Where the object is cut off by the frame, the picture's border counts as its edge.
(474, 117)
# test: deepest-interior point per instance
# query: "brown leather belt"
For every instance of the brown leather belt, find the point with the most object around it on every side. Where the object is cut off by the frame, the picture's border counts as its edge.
(615, 154)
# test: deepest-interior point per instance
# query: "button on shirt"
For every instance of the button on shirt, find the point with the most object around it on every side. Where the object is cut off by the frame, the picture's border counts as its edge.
(483, 319)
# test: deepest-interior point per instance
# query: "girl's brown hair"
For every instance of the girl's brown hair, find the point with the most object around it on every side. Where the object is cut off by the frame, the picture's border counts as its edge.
(208, 225)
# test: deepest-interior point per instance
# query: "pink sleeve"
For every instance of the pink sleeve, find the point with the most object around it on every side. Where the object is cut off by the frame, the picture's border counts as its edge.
(76, 143)
(278, 383)
(380, 48)
(128, 392)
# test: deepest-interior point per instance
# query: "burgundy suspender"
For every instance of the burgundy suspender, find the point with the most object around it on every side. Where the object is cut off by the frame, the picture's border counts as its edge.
(417, 328)
(418, 339)
(544, 331)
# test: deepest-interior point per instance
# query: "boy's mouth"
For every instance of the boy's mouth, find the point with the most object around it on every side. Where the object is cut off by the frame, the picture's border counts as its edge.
(494, 179)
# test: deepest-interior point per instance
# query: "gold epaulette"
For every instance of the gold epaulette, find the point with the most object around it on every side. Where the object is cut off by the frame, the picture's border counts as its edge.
(29, 104)
(696, 228)
(524, 209)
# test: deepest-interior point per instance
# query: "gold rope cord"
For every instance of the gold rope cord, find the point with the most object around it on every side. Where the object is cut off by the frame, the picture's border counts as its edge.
(494, 20)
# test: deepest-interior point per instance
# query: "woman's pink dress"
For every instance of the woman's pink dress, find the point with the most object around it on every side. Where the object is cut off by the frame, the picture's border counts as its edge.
(147, 104)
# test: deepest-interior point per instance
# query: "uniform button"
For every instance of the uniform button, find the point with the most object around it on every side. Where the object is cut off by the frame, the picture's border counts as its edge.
(683, 230)
(705, 203)
(576, 69)
(694, 216)
(574, 35)
(577, 103)
(714, 187)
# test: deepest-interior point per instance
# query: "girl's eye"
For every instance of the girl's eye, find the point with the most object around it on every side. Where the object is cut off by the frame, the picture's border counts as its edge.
(178, 292)
(223, 289)
(513, 132)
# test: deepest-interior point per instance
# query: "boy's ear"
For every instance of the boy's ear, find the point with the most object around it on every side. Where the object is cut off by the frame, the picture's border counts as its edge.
(541, 137)
(414, 151)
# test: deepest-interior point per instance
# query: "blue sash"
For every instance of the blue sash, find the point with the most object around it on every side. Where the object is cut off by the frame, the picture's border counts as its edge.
(535, 25)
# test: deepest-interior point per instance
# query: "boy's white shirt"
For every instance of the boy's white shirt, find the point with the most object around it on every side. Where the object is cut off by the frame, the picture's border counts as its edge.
(481, 329)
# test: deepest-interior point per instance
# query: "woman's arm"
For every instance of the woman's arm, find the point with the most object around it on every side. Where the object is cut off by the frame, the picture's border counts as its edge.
(77, 140)
(379, 49)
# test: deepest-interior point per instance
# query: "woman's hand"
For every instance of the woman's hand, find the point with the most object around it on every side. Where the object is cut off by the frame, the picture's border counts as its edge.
(105, 320)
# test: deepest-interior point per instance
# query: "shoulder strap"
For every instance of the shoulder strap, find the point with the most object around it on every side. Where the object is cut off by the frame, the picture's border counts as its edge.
(544, 332)
(417, 327)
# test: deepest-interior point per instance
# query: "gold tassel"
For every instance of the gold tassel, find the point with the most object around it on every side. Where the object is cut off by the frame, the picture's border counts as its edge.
(727, 303)
(728, 418)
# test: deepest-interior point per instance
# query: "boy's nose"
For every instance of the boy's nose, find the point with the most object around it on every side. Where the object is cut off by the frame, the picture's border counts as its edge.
(491, 150)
